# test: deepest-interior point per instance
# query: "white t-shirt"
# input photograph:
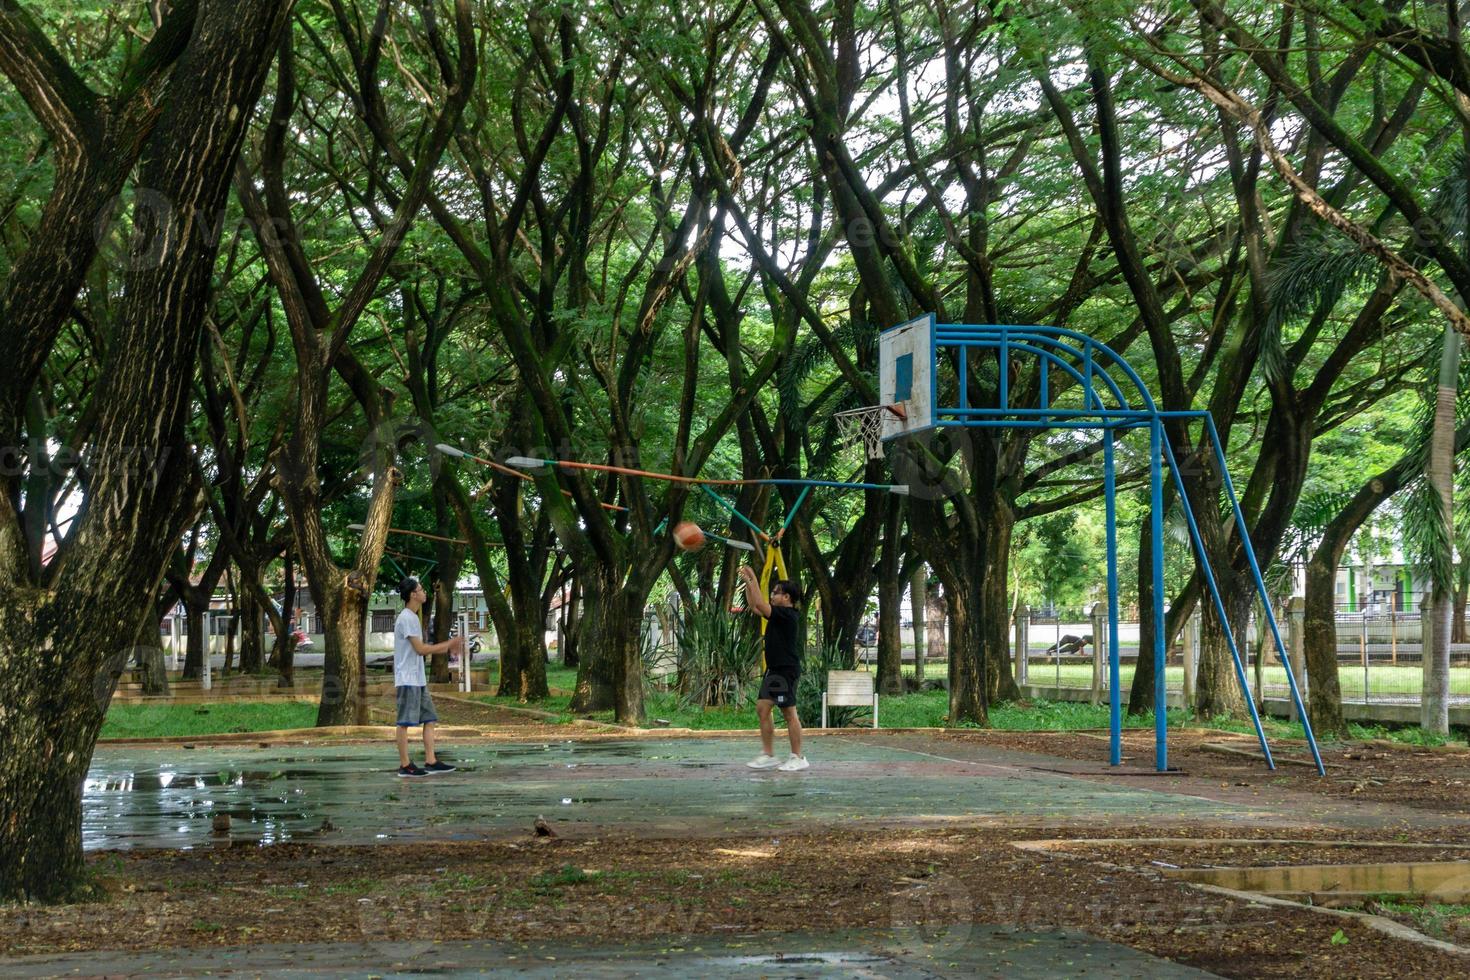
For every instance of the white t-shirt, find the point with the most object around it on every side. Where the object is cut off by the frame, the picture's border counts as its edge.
(408, 666)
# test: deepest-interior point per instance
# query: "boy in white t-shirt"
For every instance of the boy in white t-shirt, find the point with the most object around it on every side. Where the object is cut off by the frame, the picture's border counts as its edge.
(415, 707)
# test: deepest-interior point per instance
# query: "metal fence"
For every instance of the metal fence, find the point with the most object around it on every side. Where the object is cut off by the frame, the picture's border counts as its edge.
(1379, 655)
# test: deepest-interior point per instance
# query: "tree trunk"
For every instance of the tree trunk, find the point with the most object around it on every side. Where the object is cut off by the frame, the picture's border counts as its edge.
(250, 631)
(443, 622)
(611, 672)
(1319, 642)
(231, 628)
(1462, 595)
(194, 648)
(994, 610)
(151, 670)
(1218, 688)
(596, 629)
(285, 651)
(59, 646)
(1141, 694)
(890, 602)
(967, 702)
(43, 773)
(1435, 706)
(571, 654)
(344, 681)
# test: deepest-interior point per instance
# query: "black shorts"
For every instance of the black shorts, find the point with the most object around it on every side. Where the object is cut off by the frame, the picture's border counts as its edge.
(779, 686)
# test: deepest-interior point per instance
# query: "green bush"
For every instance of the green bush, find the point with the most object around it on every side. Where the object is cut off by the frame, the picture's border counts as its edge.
(718, 656)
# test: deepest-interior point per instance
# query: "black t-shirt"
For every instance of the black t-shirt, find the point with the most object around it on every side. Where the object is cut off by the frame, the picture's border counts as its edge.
(781, 639)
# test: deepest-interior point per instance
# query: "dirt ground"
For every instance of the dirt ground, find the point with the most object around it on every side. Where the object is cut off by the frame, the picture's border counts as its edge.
(1431, 779)
(623, 889)
(631, 890)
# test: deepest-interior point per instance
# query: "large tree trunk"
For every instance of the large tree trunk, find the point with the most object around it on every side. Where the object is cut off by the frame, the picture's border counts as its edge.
(1141, 694)
(597, 629)
(197, 645)
(251, 641)
(284, 654)
(524, 675)
(1435, 705)
(610, 675)
(994, 609)
(1462, 595)
(1217, 690)
(919, 602)
(890, 602)
(59, 650)
(967, 701)
(1324, 692)
(442, 622)
(344, 667)
(152, 670)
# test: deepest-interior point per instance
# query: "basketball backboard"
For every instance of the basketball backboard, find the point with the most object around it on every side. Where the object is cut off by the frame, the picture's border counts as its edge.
(906, 376)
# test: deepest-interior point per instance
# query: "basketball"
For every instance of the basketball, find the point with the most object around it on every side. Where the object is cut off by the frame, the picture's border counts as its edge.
(688, 536)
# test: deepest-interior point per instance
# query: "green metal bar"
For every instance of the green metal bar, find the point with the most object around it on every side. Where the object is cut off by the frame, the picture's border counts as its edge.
(733, 510)
(791, 515)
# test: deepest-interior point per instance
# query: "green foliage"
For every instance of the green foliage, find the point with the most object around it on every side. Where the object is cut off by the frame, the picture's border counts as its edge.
(1059, 559)
(718, 655)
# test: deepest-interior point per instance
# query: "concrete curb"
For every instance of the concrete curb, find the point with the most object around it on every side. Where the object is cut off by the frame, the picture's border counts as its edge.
(1059, 847)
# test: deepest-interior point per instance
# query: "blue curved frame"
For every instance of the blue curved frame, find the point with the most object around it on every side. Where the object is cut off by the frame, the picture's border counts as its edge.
(1088, 363)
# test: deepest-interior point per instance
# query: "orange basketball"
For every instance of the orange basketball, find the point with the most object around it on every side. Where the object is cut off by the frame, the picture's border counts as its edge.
(688, 536)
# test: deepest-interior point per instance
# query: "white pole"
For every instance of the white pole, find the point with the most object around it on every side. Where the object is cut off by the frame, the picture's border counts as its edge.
(464, 656)
(176, 636)
(206, 678)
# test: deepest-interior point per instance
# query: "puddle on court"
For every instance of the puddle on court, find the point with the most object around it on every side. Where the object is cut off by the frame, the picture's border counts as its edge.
(168, 796)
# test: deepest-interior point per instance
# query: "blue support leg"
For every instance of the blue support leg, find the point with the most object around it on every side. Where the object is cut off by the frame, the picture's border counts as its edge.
(1161, 704)
(1214, 590)
(1250, 554)
(1115, 694)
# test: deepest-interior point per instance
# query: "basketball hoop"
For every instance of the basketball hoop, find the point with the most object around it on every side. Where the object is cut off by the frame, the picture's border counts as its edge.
(865, 425)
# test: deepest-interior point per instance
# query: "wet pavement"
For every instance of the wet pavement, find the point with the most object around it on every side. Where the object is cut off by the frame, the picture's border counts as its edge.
(956, 951)
(349, 794)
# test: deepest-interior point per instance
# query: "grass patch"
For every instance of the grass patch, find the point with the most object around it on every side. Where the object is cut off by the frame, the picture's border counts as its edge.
(930, 709)
(207, 718)
(566, 876)
(1430, 918)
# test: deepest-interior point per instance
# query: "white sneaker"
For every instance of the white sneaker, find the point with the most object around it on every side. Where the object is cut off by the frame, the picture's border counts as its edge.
(764, 761)
(794, 764)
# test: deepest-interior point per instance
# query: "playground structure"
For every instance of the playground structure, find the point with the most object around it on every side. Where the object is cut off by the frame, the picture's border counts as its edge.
(1103, 392)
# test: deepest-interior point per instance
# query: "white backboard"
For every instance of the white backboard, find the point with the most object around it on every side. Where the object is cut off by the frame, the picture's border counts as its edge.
(906, 376)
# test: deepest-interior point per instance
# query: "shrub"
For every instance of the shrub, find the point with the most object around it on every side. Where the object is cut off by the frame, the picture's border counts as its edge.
(718, 656)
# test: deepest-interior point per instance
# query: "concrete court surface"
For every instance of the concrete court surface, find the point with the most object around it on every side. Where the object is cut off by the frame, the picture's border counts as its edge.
(959, 951)
(349, 794)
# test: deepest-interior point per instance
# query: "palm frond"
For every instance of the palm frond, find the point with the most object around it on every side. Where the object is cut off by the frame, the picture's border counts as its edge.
(1314, 274)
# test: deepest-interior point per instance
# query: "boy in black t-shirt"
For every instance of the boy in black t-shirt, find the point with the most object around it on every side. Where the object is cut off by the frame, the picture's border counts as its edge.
(783, 668)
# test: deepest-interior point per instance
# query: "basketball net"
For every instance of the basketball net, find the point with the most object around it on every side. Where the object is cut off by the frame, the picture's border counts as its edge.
(865, 425)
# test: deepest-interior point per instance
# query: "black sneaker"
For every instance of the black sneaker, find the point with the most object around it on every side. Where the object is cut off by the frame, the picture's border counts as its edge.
(412, 770)
(434, 767)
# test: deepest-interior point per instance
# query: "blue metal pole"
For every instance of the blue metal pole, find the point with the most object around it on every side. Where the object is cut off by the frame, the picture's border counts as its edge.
(1250, 554)
(1209, 576)
(1115, 696)
(1156, 487)
(1003, 354)
(732, 509)
(791, 515)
